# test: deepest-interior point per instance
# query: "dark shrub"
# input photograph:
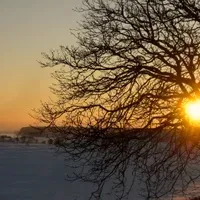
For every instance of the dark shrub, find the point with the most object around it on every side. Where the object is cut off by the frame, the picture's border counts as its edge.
(50, 141)
(195, 198)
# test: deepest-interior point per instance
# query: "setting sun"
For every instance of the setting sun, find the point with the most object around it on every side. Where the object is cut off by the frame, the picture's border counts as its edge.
(192, 110)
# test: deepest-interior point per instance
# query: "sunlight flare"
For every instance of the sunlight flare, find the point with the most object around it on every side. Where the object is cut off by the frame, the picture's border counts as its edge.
(192, 110)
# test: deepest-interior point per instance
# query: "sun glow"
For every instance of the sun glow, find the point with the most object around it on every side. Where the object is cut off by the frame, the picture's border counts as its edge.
(192, 110)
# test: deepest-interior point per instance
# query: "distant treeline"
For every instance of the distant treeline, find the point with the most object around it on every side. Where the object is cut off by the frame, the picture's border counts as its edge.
(25, 140)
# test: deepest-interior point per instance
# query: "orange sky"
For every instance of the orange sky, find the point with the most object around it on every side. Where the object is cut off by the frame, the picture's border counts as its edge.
(29, 27)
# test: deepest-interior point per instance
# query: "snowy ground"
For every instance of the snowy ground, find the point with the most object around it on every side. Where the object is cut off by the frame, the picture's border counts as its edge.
(34, 173)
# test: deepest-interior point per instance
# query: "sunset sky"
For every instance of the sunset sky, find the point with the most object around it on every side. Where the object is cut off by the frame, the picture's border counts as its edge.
(29, 27)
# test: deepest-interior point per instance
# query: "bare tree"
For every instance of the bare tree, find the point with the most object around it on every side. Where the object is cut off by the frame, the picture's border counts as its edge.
(119, 113)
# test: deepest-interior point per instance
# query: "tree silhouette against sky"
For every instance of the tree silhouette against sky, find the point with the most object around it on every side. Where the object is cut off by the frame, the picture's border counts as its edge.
(121, 93)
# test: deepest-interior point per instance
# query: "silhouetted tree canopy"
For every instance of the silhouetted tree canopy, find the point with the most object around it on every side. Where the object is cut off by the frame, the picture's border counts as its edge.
(120, 92)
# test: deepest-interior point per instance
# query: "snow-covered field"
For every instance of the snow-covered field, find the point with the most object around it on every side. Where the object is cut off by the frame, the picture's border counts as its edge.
(34, 172)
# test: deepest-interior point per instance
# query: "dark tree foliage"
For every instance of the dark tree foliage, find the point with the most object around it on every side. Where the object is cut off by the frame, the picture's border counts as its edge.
(195, 198)
(119, 112)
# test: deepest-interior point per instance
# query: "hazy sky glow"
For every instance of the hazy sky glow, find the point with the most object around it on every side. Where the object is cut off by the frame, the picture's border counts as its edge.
(29, 27)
